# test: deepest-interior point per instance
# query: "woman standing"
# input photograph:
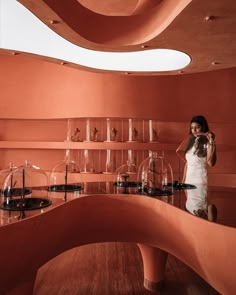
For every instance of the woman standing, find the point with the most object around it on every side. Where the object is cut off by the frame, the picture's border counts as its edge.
(200, 152)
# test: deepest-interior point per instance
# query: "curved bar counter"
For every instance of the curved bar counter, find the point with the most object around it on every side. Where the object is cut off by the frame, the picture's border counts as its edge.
(157, 227)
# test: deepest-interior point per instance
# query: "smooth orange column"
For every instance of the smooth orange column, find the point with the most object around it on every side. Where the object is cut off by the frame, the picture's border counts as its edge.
(154, 262)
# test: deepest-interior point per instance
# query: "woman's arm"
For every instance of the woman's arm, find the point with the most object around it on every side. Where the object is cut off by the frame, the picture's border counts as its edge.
(211, 150)
(184, 172)
(185, 144)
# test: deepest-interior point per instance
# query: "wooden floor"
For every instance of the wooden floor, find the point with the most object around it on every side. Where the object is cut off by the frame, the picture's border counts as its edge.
(112, 269)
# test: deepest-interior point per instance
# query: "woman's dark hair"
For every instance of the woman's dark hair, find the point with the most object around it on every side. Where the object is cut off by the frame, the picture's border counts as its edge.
(201, 120)
(200, 151)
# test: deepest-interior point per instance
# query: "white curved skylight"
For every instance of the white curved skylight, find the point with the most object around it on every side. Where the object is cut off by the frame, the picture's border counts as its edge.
(20, 30)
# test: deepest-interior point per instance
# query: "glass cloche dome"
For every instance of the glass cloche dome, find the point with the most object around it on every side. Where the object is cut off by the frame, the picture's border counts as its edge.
(126, 178)
(65, 177)
(155, 175)
(25, 188)
(4, 173)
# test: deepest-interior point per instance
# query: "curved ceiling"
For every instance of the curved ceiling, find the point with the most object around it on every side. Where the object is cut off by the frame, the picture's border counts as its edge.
(120, 8)
(23, 32)
(205, 30)
(94, 31)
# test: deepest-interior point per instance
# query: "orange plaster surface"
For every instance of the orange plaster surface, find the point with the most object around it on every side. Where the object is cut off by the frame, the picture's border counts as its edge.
(151, 223)
(77, 22)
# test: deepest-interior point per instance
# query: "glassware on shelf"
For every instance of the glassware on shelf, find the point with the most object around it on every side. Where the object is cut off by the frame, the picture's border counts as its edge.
(111, 162)
(155, 174)
(132, 157)
(93, 130)
(90, 161)
(135, 130)
(69, 130)
(87, 136)
(94, 134)
(113, 127)
(65, 178)
(25, 188)
(76, 135)
(76, 128)
(153, 130)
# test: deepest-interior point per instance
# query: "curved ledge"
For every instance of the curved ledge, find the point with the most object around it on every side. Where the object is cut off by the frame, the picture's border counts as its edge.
(205, 247)
(76, 23)
(117, 8)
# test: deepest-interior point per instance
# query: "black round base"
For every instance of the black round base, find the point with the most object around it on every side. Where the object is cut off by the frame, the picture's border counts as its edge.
(154, 192)
(65, 188)
(180, 186)
(25, 204)
(127, 184)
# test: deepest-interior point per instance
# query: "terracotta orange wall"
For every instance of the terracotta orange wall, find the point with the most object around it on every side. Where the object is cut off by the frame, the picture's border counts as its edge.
(33, 88)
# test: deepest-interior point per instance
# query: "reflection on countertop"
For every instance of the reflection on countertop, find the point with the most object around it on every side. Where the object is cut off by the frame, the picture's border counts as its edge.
(223, 198)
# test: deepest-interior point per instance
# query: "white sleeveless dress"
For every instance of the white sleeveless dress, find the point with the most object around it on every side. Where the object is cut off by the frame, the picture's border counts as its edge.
(196, 174)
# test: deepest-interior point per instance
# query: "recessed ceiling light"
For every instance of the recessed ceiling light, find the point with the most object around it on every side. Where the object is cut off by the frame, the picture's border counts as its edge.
(53, 22)
(209, 17)
(24, 32)
(144, 46)
(215, 63)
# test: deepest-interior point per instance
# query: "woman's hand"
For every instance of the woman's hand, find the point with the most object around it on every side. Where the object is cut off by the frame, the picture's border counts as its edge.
(211, 151)
(211, 137)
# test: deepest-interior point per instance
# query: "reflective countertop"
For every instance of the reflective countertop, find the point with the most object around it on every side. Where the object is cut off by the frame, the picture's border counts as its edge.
(224, 199)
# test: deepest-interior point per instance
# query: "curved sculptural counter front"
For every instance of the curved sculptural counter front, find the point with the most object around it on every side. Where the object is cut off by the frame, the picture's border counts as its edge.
(157, 227)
